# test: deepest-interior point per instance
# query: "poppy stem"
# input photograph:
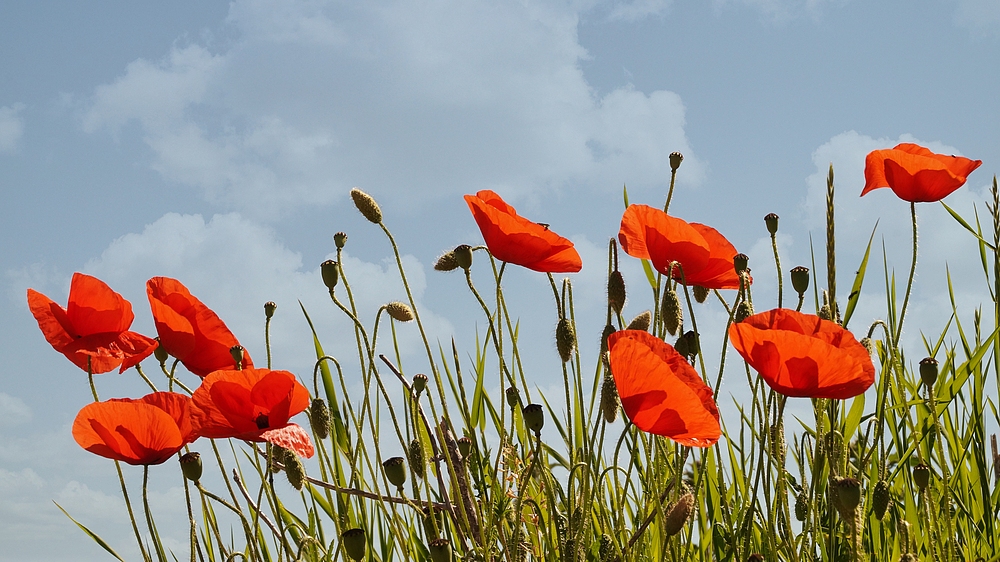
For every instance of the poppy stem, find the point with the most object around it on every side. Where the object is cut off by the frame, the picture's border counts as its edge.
(777, 265)
(670, 192)
(195, 545)
(153, 535)
(909, 281)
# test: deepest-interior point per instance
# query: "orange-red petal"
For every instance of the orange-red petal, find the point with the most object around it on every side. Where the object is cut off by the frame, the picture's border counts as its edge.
(94, 308)
(660, 392)
(916, 174)
(291, 437)
(245, 404)
(718, 271)
(131, 431)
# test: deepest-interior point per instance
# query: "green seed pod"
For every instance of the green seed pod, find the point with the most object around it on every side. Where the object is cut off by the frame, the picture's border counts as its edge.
(671, 311)
(744, 310)
(802, 506)
(319, 417)
(513, 397)
(641, 322)
(447, 262)
(355, 543)
(675, 160)
(441, 550)
(367, 205)
(678, 514)
(433, 525)
(400, 312)
(191, 466)
(771, 220)
(330, 272)
(740, 262)
(340, 239)
(609, 398)
(616, 291)
(269, 308)
(159, 353)
(465, 447)
(608, 330)
(237, 352)
(880, 499)
(700, 293)
(416, 455)
(928, 371)
(463, 255)
(294, 470)
(534, 417)
(922, 476)
(848, 492)
(419, 383)
(394, 471)
(800, 279)
(565, 339)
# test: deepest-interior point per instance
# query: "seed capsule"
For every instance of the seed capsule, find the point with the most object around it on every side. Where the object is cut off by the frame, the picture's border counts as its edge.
(463, 255)
(269, 308)
(800, 279)
(513, 397)
(771, 220)
(534, 417)
(191, 466)
(928, 371)
(465, 447)
(441, 550)
(740, 262)
(419, 383)
(922, 476)
(330, 272)
(675, 160)
(355, 543)
(394, 471)
(848, 492)
(237, 352)
(159, 353)
(340, 239)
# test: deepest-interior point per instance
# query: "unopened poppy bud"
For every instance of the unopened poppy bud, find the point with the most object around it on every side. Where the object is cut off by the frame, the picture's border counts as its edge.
(771, 220)
(867, 344)
(447, 262)
(367, 205)
(928, 371)
(419, 383)
(671, 311)
(880, 499)
(416, 455)
(440, 550)
(681, 346)
(825, 312)
(269, 308)
(340, 239)
(609, 398)
(641, 322)
(330, 272)
(678, 515)
(848, 492)
(608, 330)
(191, 466)
(513, 397)
(319, 417)
(800, 279)
(922, 476)
(159, 353)
(616, 291)
(463, 254)
(740, 262)
(693, 344)
(355, 543)
(802, 506)
(744, 310)
(565, 339)
(394, 471)
(606, 552)
(237, 352)
(465, 447)
(675, 160)
(700, 293)
(834, 448)
(534, 417)
(294, 470)
(400, 312)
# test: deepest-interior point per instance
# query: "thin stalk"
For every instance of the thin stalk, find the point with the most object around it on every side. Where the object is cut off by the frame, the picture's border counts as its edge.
(909, 281)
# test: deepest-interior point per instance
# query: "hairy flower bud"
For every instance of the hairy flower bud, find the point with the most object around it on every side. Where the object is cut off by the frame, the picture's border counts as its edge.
(700, 293)
(802, 506)
(616, 291)
(294, 470)
(191, 466)
(534, 417)
(447, 262)
(678, 514)
(848, 492)
(880, 499)
(416, 454)
(609, 398)
(330, 272)
(641, 322)
(367, 205)
(394, 471)
(867, 344)
(400, 312)
(319, 417)
(671, 311)
(608, 330)
(355, 543)
(565, 339)
(744, 310)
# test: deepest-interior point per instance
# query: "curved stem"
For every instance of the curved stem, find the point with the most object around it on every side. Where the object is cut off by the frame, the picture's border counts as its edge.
(777, 265)
(909, 281)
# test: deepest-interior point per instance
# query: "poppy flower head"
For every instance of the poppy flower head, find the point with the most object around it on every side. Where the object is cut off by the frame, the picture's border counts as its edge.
(146, 431)
(92, 331)
(189, 330)
(803, 355)
(660, 392)
(515, 239)
(253, 405)
(916, 174)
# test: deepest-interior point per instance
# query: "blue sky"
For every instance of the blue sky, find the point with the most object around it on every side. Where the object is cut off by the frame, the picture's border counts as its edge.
(216, 142)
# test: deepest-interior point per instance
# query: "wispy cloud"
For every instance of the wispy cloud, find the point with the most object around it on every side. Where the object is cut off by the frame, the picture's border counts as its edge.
(11, 126)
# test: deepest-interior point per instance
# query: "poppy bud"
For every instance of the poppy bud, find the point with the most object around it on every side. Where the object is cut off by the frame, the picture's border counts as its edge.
(681, 346)
(928, 371)
(367, 205)
(740, 262)
(607, 549)
(513, 397)
(237, 352)
(922, 476)
(463, 255)
(825, 312)
(394, 471)
(447, 262)
(616, 291)
(609, 398)
(565, 339)
(608, 330)
(771, 220)
(755, 557)
(834, 448)
(465, 447)
(678, 515)
(675, 160)
(867, 344)
(340, 239)
(440, 550)
(159, 353)
(700, 293)
(671, 311)
(400, 312)
(419, 383)
(641, 322)
(191, 466)
(848, 492)
(319, 417)
(355, 543)
(534, 417)
(269, 308)
(907, 557)
(880, 499)
(294, 470)
(330, 273)
(693, 345)
(802, 506)
(800, 279)
(416, 454)
(744, 310)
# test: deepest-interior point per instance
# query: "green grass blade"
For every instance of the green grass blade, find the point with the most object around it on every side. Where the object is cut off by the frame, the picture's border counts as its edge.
(859, 279)
(91, 534)
(967, 226)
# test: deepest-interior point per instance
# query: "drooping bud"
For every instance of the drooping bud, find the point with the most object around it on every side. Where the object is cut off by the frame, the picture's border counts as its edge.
(848, 492)
(867, 344)
(465, 447)
(419, 383)
(367, 205)
(513, 397)
(700, 293)
(400, 312)
(771, 220)
(880, 499)
(319, 417)
(294, 470)
(608, 330)
(159, 353)
(447, 262)
(441, 550)
(191, 466)
(740, 262)
(330, 272)
(534, 417)
(928, 371)
(340, 239)
(463, 255)
(237, 352)
(825, 312)
(802, 506)
(678, 515)
(609, 398)
(671, 311)
(355, 543)
(922, 476)
(675, 160)
(269, 308)
(416, 455)
(394, 471)
(800, 279)
(744, 310)
(565, 339)
(616, 291)
(641, 322)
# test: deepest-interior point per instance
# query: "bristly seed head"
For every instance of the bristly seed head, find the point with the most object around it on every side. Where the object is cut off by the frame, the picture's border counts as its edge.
(367, 205)
(565, 339)
(400, 312)
(641, 322)
(671, 311)
(616, 291)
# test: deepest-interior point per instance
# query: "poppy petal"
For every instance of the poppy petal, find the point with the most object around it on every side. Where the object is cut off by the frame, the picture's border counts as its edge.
(245, 404)
(94, 308)
(52, 320)
(291, 437)
(649, 233)
(143, 434)
(718, 271)
(916, 174)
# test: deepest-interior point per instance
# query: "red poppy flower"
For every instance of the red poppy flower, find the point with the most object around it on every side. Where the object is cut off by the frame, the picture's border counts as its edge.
(803, 355)
(145, 431)
(915, 173)
(515, 239)
(189, 330)
(253, 405)
(660, 391)
(92, 331)
(703, 252)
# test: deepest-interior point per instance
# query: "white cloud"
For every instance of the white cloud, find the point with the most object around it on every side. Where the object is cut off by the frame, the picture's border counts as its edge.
(634, 10)
(15, 411)
(11, 126)
(981, 16)
(781, 11)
